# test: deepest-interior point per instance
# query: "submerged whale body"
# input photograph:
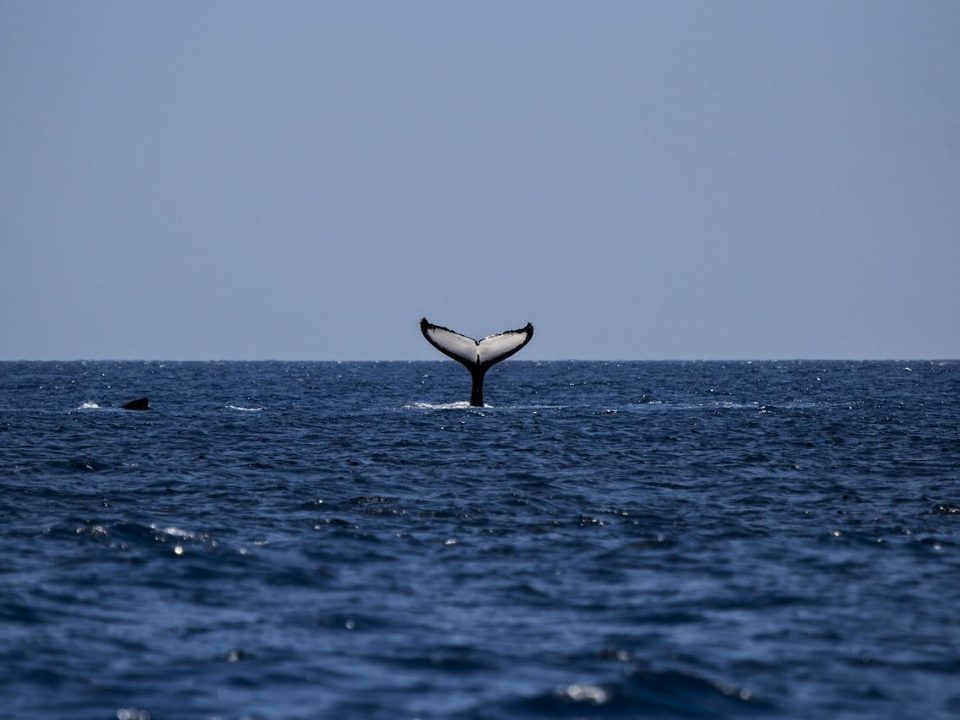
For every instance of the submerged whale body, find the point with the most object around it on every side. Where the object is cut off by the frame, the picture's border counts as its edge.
(138, 404)
(477, 356)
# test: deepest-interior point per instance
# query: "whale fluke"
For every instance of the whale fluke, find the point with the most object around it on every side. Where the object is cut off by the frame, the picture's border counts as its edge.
(138, 404)
(477, 356)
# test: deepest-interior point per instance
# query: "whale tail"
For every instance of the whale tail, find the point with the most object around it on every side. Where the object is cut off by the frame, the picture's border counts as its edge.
(477, 356)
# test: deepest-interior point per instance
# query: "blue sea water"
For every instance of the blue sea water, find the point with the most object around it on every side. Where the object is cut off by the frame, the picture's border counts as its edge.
(606, 540)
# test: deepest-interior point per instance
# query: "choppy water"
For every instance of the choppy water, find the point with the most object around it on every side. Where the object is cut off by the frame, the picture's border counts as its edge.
(322, 540)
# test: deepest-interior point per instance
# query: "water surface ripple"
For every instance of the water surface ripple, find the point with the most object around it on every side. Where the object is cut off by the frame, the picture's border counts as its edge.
(607, 540)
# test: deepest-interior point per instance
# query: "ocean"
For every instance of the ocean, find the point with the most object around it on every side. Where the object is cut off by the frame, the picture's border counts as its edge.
(604, 540)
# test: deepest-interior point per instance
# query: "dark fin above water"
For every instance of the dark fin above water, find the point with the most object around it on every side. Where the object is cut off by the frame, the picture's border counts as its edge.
(477, 356)
(138, 404)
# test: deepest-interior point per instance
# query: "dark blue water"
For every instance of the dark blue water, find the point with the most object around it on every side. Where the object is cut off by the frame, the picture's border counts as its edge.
(322, 540)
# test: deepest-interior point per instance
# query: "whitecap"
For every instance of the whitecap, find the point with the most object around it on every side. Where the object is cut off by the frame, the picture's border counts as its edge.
(89, 406)
(584, 693)
(240, 408)
(174, 532)
(731, 405)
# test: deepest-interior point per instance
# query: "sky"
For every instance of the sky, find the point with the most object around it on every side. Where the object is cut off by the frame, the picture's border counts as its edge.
(640, 180)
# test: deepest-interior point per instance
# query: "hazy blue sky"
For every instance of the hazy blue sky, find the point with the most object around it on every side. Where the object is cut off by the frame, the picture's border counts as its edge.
(192, 180)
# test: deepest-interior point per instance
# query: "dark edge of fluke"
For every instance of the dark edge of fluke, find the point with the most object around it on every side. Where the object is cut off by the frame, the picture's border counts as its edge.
(138, 404)
(474, 365)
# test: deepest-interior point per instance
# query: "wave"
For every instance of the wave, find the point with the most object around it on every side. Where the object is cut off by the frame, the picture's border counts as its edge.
(667, 405)
(641, 693)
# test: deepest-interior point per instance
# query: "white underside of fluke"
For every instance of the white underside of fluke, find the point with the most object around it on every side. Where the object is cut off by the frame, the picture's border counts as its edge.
(464, 348)
(487, 351)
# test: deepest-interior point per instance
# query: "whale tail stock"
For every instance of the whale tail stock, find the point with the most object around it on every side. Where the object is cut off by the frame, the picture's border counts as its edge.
(477, 356)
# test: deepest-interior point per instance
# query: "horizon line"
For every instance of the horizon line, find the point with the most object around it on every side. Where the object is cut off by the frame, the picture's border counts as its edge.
(443, 360)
